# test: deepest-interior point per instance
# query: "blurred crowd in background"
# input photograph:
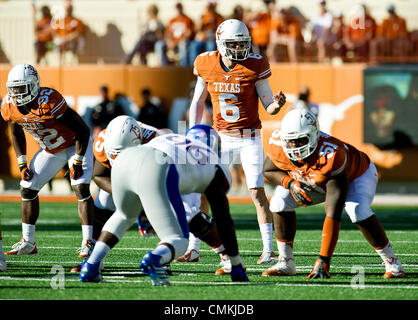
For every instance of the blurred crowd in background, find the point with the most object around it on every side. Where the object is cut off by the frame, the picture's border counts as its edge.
(281, 33)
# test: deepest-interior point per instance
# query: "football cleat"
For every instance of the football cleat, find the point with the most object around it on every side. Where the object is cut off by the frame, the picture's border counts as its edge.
(3, 265)
(238, 274)
(190, 256)
(150, 265)
(393, 269)
(23, 247)
(90, 272)
(320, 270)
(267, 257)
(86, 249)
(77, 267)
(285, 267)
(226, 266)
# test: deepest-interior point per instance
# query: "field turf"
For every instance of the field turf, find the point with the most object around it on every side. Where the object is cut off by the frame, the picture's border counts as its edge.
(58, 235)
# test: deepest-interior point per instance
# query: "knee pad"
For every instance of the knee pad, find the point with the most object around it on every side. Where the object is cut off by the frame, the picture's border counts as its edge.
(28, 194)
(200, 224)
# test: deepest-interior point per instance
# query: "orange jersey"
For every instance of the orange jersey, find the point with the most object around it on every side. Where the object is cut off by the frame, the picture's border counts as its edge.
(67, 25)
(41, 122)
(330, 158)
(180, 28)
(357, 34)
(234, 96)
(147, 133)
(393, 28)
(260, 29)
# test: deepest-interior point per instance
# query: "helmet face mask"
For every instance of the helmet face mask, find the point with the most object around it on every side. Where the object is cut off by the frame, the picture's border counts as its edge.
(233, 40)
(299, 134)
(122, 132)
(23, 84)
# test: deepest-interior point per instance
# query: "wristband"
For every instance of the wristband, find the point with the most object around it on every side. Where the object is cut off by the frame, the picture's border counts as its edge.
(285, 181)
(21, 160)
(78, 159)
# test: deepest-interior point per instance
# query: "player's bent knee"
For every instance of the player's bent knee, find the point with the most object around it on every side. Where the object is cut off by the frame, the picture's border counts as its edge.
(200, 224)
(28, 194)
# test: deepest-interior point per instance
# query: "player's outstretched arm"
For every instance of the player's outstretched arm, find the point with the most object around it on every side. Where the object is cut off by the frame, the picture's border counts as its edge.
(337, 189)
(18, 139)
(197, 106)
(19, 145)
(73, 121)
(271, 102)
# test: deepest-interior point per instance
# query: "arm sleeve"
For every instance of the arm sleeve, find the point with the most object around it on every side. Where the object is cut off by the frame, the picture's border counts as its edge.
(264, 92)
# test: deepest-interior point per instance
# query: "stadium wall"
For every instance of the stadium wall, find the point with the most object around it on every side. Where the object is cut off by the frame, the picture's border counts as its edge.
(337, 90)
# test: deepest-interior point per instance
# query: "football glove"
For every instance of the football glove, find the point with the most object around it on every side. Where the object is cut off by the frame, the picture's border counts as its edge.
(25, 173)
(320, 269)
(297, 190)
(76, 171)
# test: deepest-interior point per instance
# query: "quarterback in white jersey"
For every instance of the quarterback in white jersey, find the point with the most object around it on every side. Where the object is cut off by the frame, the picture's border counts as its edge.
(166, 167)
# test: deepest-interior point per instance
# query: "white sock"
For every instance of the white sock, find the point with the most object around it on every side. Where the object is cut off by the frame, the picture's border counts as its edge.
(87, 231)
(266, 230)
(194, 243)
(100, 251)
(164, 252)
(28, 232)
(386, 253)
(285, 249)
(219, 249)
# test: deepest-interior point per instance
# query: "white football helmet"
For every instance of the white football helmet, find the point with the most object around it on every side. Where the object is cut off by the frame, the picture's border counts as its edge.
(298, 124)
(121, 132)
(23, 84)
(233, 40)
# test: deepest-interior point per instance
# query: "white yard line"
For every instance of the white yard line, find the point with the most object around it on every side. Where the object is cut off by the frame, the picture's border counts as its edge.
(120, 279)
(246, 251)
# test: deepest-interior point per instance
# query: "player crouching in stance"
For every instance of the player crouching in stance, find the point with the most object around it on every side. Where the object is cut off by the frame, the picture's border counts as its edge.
(151, 177)
(310, 167)
(63, 137)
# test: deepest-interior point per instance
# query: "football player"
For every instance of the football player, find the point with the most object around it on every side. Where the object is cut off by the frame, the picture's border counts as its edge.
(236, 79)
(124, 128)
(124, 131)
(166, 167)
(310, 167)
(63, 137)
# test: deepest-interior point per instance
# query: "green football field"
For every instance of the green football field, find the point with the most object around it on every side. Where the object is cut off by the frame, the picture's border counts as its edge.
(58, 236)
